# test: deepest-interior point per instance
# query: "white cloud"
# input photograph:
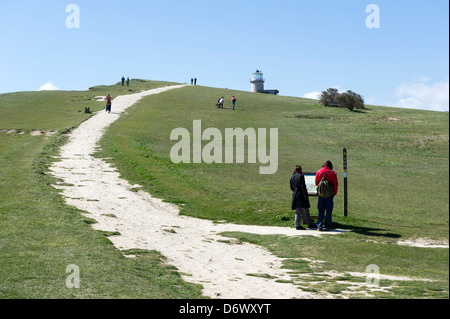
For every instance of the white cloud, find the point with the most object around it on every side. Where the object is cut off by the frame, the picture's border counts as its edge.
(49, 86)
(315, 95)
(424, 96)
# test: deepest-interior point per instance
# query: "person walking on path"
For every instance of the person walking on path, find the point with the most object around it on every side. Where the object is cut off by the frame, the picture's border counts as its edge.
(195, 81)
(233, 100)
(123, 80)
(325, 204)
(300, 199)
(128, 81)
(192, 81)
(108, 103)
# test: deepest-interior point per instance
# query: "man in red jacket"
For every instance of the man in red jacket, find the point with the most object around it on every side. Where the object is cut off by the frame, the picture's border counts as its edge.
(326, 204)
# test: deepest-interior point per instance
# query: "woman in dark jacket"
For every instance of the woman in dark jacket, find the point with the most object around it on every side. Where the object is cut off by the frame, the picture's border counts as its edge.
(300, 199)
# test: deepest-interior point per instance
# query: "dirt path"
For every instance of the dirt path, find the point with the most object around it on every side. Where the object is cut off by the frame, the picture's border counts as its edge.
(192, 245)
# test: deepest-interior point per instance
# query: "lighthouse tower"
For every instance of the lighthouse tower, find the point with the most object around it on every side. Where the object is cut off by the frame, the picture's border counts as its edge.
(257, 82)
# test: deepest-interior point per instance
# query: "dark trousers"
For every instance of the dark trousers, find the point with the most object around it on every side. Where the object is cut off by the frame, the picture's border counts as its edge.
(325, 204)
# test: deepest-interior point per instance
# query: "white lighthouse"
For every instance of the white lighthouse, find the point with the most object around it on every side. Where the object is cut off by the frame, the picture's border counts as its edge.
(257, 82)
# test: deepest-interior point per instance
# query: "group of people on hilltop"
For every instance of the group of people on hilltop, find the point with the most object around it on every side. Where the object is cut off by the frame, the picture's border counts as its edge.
(194, 81)
(325, 178)
(123, 81)
(221, 101)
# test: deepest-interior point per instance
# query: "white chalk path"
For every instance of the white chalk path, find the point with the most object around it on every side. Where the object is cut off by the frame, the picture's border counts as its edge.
(192, 245)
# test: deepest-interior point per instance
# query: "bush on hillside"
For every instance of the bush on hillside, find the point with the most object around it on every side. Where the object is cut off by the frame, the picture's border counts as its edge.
(328, 97)
(350, 100)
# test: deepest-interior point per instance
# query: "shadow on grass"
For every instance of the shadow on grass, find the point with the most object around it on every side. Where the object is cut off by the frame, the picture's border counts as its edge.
(366, 231)
(231, 109)
(363, 111)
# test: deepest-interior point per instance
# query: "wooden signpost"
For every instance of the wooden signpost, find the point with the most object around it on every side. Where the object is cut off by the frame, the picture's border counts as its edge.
(345, 184)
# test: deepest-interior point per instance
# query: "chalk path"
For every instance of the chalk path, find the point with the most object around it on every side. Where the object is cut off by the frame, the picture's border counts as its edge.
(195, 246)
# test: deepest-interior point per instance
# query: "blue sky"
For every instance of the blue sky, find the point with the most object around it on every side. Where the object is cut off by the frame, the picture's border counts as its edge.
(302, 47)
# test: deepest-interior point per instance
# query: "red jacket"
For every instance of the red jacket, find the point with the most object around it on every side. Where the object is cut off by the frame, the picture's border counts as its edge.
(331, 177)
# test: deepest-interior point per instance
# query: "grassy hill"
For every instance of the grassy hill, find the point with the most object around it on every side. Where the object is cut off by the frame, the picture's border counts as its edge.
(398, 187)
(40, 236)
(396, 157)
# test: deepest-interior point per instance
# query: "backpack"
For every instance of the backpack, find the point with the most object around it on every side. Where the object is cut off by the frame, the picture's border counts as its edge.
(325, 188)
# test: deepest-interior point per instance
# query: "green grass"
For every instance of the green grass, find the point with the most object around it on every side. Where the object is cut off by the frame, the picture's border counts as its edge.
(398, 175)
(59, 110)
(40, 235)
(398, 189)
(385, 157)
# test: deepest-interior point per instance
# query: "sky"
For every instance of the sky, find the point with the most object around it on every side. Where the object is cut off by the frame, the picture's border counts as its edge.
(392, 52)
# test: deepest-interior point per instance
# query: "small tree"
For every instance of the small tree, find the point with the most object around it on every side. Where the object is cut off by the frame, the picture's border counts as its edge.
(349, 99)
(328, 97)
